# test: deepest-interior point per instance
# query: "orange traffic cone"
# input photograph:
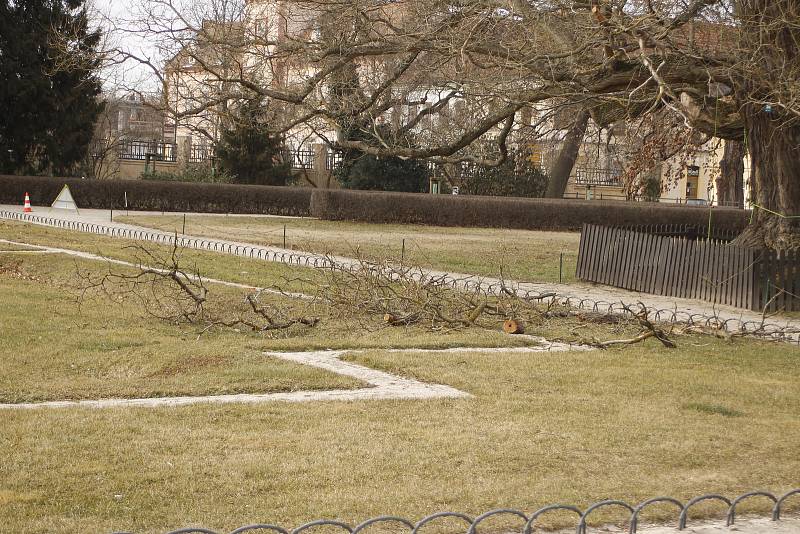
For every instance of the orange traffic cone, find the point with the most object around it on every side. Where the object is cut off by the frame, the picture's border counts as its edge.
(27, 208)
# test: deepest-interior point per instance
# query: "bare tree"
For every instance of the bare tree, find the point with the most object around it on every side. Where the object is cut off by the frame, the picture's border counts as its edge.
(723, 68)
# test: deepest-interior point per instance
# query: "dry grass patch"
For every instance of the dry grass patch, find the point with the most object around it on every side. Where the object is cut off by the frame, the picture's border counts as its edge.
(53, 350)
(542, 428)
(522, 254)
(10, 247)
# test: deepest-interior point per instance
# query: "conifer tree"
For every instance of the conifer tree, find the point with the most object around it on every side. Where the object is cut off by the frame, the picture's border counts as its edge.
(49, 63)
(249, 152)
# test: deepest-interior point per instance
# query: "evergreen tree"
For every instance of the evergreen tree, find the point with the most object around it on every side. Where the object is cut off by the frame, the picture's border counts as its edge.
(249, 152)
(367, 172)
(517, 176)
(49, 90)
(384, 174)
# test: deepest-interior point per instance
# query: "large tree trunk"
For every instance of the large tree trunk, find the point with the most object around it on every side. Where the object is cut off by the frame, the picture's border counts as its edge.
(775, 176)
(561, 168)
(769, 29)
(730, 184)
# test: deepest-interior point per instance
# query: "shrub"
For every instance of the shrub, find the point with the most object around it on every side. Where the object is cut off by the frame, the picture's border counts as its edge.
(384, 174)
(522, 213)
(515, 177)
(160, 196)
(651, 188)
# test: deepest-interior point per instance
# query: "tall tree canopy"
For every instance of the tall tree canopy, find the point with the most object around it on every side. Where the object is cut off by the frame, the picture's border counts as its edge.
(49, 90)
(722, 68)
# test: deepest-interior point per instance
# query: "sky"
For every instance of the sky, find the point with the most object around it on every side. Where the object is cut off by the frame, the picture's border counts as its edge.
(114, 13)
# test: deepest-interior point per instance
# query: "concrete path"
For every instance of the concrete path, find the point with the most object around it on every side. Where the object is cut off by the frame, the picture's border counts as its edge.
(383, 385)
(755, 525)
(585, 296)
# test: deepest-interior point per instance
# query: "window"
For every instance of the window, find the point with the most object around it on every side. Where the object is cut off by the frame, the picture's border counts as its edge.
(692, 181)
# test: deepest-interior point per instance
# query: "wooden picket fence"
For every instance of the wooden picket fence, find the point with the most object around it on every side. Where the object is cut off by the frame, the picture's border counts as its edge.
(703, 269)
(690, 231)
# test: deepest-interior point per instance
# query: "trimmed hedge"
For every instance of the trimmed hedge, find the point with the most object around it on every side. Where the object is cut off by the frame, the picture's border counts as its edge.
(160, 196)
(366, 206)
(502, 212)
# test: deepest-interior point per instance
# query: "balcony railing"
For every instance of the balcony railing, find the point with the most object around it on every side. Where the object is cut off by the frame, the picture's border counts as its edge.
(140, 150)
(301, 159)
(598, 176)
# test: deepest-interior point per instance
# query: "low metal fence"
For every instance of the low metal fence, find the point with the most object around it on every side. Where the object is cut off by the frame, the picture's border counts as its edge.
(527, 522)
(760, 327)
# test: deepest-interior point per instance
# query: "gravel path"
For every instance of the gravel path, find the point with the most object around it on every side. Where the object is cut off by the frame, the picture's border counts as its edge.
(755, 525)
(383, 385)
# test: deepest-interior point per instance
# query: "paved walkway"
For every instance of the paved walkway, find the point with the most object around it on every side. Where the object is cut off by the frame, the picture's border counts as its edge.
(382, 385)
(742, 526)
(594, 297)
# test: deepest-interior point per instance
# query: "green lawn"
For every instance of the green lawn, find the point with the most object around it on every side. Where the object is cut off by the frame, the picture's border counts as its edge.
(578, 427)
(55, 350)
(52, 350)
(521, 254)
(542, 428)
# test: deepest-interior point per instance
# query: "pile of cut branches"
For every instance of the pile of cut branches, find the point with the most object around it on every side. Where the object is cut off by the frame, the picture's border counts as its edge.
(372, 295)
(166, 289)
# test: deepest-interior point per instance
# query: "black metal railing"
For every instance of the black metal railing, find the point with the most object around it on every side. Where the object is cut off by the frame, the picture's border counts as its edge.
(300, 158)
(333, 160)
(143, 150)
(597, 176)
(526, 522)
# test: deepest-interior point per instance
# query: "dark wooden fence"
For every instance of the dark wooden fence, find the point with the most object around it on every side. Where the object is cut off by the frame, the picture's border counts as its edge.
(691, 231)
(710, 270)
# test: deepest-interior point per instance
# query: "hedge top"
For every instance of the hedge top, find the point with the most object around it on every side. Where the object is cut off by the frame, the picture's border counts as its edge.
(366, 206)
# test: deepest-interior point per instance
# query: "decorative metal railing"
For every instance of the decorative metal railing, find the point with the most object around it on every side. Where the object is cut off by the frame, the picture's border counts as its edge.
(333, 160)
(142, 150)
(527, 522)
(597, 176)
(300, 158)
(200, 153)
